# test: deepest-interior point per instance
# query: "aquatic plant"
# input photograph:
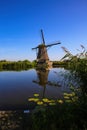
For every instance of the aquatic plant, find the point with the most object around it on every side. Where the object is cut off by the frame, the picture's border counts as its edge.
(58, 114)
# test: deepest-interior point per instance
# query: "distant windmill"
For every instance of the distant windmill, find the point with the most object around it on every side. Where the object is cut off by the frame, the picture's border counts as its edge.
(42, 56)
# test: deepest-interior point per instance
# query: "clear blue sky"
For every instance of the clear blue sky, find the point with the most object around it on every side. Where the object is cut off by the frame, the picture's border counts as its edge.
(21, 21)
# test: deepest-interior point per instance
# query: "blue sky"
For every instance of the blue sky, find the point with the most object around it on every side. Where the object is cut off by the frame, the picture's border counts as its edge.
(21, 21)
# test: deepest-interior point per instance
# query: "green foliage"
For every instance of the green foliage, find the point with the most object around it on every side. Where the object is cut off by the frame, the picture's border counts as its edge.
(62, 114)
(16, 65)
(59, 63)
(78, 64)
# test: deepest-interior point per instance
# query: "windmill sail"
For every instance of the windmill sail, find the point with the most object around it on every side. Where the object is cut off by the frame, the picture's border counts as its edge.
(43, 41)
(49, 45)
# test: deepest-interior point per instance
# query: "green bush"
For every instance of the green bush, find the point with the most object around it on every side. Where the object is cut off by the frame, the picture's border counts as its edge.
(16, 65)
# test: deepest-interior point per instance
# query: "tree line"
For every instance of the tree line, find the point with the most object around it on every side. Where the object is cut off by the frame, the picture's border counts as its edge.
(16, 65)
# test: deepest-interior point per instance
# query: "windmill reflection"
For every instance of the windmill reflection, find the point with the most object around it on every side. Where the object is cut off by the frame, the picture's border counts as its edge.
(42, 77)
(42, 80)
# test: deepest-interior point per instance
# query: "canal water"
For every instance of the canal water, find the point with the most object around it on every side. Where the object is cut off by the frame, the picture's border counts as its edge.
(16, 87)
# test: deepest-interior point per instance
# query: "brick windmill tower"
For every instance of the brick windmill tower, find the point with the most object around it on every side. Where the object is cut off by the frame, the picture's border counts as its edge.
(42, 55)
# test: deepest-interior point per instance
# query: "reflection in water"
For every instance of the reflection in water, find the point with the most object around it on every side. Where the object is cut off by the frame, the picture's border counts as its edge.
(42, 79)
(56, 79)
(17, 87)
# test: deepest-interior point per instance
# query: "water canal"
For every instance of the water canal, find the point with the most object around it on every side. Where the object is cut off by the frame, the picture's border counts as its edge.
(17, 86)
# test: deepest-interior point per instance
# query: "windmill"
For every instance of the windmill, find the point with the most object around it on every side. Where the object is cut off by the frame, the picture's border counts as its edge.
(42, 55)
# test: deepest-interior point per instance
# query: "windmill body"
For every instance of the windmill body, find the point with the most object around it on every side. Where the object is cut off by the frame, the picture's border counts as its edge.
(42, 55)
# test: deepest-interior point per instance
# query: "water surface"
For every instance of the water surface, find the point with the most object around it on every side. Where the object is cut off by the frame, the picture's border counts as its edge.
(17, 86)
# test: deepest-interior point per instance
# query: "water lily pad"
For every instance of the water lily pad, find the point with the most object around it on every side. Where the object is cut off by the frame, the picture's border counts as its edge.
(31, 99)
(60, 101)
(39, 102)
(66, 97)
(52, 103)
(36, 94)
(46, 100)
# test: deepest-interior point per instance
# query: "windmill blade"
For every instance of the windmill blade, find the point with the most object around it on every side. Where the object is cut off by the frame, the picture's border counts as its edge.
(35, 48)
(49, 45)
(42, 36)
